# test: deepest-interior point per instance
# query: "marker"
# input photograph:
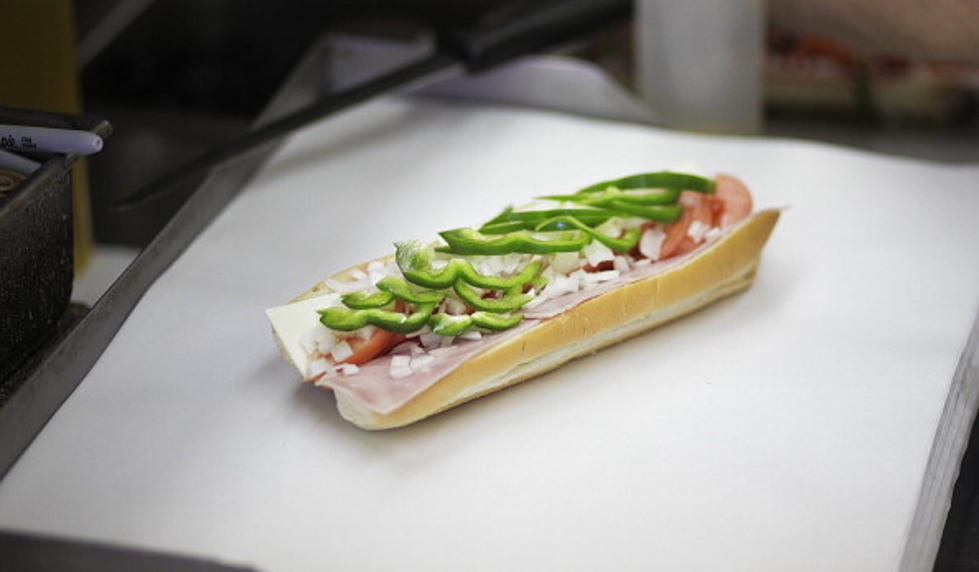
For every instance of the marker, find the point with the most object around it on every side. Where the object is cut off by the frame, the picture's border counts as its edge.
(15, 162)
(48, 140)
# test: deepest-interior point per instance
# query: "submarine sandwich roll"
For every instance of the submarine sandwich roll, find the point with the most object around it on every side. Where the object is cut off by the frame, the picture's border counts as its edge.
(434, 325)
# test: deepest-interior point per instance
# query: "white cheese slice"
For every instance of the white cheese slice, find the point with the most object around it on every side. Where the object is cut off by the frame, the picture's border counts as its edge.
(293, 321)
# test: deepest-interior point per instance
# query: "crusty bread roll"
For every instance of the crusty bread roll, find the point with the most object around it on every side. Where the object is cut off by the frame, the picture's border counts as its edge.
(717, 269)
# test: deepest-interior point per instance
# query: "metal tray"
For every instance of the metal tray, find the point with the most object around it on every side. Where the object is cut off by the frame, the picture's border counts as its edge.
(36, 246)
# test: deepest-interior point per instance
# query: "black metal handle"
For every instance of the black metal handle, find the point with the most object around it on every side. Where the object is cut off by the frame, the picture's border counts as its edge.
(540, 25)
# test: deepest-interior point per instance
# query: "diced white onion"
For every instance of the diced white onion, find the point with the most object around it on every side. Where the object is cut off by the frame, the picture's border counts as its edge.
(357, 274)
(651, 243)
(348, 369)
(471, 335)
(317, 367)
(611, 227)
(375, 266)
(479, 264)
(513, 262)
(548, 273)
(557, 286)
(366, 333)
(567, 283)
(308, 342)
(326, 340)
(400, 366)
(565, 262)
(418, 333)
(399, 372)
(341, 351)
(422, 362)
(489, 265)
(597, 253)
(453, 307)
(446, 341)
(430, 340)
(697, 230)
(540, 299)
(604, 276)
(406, 348)
(621, 263)
(713, 233)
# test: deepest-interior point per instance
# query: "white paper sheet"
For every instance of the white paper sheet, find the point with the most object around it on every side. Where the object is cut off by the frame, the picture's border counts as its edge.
(786, 428)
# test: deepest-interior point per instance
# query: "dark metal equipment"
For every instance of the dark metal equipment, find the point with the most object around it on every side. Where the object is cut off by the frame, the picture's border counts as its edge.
(36, 247)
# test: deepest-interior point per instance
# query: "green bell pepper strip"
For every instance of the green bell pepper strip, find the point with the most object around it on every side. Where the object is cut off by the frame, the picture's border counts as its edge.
(530, 219)
(504, 227)
(660, 180)
(658, 213)
(539, 282)
(538, 223)
(605, 198)
(446, 325)
(623, 207)
(624, 244)
(413, 259)
(469, 241)
(403, 291)
(496, 321)
(512, 300)
(346, 319)
(364, 301)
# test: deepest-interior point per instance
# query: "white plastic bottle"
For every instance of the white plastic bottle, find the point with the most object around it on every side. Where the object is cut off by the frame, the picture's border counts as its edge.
(699, 62)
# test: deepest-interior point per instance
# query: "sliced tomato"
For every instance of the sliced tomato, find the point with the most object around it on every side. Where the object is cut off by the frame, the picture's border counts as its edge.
(377, 344)
(735, 198)
(696, 206)
(380, 342)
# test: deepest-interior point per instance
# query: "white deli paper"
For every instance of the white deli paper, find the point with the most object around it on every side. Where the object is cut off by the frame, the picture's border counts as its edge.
(786, 428)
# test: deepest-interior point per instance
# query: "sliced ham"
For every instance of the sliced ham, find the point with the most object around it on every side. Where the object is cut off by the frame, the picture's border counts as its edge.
(375, 388)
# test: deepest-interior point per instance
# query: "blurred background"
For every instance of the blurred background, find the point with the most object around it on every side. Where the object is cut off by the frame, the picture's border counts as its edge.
(178, 77)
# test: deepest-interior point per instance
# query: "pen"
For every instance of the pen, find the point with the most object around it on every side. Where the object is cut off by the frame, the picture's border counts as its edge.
(48, 139)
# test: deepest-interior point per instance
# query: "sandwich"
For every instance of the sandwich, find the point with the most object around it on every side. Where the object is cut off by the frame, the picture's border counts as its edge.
(436, 324)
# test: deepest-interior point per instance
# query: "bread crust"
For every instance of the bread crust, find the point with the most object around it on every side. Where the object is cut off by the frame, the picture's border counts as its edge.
(723, 268)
